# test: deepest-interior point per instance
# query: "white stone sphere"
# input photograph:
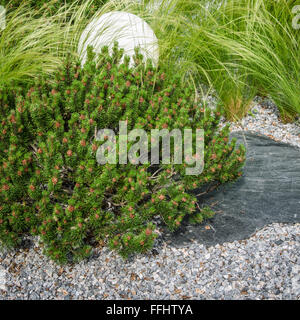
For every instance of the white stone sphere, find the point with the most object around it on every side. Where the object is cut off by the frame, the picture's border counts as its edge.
(129, 30)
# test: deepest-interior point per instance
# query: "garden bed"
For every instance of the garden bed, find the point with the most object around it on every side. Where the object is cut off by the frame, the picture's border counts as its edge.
(68, 219)
(236, 255)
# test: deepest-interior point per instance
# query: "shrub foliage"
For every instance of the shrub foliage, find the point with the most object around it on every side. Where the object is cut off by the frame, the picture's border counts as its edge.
(51, 184)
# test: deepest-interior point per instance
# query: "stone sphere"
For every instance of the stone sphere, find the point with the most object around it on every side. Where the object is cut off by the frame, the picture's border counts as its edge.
(127, 29)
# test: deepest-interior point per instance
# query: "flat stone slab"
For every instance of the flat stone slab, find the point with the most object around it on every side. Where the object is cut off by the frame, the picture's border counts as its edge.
(268, 192)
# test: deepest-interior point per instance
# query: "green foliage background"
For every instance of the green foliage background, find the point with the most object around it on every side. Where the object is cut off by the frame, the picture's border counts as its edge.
(50, 6)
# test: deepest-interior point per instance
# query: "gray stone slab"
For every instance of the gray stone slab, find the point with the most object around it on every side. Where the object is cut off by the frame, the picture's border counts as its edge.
(268, 192)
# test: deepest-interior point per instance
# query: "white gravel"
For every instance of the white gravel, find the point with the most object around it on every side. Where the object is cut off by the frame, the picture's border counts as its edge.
(265, 266)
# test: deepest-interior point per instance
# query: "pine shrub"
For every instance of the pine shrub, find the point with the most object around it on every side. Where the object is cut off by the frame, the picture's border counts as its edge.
(51, 184)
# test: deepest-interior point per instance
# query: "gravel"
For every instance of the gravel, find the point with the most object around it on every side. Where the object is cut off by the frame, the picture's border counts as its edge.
(265, 266)
(264, 118)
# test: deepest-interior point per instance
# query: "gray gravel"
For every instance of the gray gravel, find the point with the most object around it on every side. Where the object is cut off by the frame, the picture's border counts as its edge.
(265, 266)
(263, 118)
